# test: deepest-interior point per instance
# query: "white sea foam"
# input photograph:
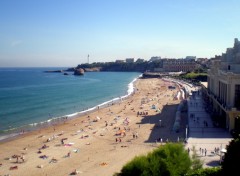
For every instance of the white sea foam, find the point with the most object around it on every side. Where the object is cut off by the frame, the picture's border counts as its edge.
(7, 136)
(72, 115)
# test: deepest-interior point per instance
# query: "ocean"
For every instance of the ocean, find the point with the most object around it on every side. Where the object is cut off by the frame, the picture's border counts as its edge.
(31, 98)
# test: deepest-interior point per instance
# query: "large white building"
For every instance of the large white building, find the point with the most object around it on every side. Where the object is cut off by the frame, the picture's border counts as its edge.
(177, 65)
(224, 88)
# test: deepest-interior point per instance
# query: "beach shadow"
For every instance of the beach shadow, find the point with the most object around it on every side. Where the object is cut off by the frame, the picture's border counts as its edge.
(163, 124)
(213, 163)
(210, 132)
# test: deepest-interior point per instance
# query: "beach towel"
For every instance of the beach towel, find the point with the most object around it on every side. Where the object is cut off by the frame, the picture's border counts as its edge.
(68, 145)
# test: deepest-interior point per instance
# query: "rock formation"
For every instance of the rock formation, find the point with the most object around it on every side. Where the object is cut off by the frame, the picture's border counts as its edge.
(79, 71)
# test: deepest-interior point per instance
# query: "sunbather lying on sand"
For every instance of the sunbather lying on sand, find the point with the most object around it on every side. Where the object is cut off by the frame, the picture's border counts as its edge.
(44, 146)
(103, 164)
(43, 156)
(75, 172)
(13, 167)
(53, 160)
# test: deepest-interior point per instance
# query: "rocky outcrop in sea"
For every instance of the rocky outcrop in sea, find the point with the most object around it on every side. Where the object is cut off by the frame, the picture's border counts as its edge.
(78, 72)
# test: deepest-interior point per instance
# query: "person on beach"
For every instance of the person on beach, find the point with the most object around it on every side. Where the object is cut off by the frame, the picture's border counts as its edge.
(69, 154)
(22, 158)
(17, 159)
(75, 172)
(44, 146)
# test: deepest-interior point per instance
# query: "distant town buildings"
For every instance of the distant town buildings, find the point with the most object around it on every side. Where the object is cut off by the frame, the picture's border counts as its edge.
(129, 60)
(191, 57)
(120, 61)
(154, 58)
(176, 65)
(139, 60)
(204, 62)
(224, 88)
(167, 65)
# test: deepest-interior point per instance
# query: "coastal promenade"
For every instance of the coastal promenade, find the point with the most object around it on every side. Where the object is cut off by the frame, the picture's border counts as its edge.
(208, 140)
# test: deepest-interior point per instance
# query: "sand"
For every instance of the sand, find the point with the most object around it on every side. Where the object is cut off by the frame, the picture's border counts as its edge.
(89, 144)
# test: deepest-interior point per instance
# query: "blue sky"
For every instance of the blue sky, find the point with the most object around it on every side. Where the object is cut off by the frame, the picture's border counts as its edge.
(63, 32)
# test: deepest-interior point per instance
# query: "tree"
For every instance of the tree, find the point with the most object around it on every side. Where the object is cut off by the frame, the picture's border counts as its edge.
(231, 164)
(196, 162)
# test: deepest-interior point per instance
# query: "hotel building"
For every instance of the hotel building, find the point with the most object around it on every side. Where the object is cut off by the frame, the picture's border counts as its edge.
(223, 89)
(176, 65)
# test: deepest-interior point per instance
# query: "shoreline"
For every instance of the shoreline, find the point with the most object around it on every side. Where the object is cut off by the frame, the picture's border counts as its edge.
(93, 139)
(18, 131)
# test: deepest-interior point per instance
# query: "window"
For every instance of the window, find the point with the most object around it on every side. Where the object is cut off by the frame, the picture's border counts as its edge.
(237, 96)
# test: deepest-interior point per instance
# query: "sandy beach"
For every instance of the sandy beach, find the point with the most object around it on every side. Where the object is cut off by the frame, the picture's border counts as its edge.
(101, 142)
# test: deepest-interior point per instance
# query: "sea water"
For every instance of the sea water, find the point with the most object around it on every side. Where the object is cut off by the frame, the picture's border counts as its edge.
(30, 97)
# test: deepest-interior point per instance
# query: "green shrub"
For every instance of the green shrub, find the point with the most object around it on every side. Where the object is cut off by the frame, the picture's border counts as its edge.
(215, 171)
(137, 166)
(195, 76)
(168, 160)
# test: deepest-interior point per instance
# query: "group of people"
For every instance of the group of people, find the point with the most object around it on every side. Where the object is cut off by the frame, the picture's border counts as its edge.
(142, 113)
(205, 123)
(18, 157)
(203, 152)
(135, 135)
(161, 140)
